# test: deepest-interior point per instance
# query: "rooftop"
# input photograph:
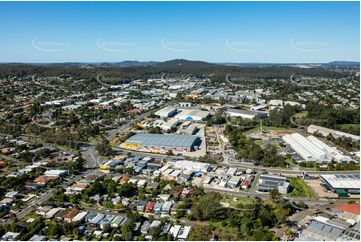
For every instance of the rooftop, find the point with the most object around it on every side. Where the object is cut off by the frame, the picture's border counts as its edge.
(343, 181)
(163, 140)
(351, 208)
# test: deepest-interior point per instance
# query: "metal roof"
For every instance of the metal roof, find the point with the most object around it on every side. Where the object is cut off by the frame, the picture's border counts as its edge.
(342, 181)
(163, 140)
(324, 231)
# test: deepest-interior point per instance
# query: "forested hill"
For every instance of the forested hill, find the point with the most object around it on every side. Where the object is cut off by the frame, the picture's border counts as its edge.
(135, 70)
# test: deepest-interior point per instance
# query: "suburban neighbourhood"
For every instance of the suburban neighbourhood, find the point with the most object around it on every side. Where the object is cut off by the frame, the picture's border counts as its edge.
(180, 121)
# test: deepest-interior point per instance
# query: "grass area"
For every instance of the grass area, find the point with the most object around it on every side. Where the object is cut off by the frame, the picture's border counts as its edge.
(269, 128)
(300, 114)
(300, 189)
(258, 142)
(236, 201)
(290, 162)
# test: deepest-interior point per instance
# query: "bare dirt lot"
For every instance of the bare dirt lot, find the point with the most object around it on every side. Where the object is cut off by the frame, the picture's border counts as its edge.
(321, 192)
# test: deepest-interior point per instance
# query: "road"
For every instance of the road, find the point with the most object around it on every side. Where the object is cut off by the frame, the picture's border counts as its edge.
(91, 156)
(112, 133)
(285, 171)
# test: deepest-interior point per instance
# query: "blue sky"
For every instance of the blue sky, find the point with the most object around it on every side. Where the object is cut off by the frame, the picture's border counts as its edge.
(210, 31)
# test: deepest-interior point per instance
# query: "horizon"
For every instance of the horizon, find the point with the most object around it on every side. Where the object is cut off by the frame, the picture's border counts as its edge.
(214, 32)
(150, 61)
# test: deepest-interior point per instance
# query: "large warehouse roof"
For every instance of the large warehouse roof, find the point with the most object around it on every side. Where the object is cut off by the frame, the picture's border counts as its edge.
(342, 181)
(163, 140)
(192, 114)
(191, 165)
(305, 148)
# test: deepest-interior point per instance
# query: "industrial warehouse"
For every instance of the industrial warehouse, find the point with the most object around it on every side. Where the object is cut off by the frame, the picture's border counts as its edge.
(267, 183)
(162, 142)
(190, 114)
(313, 149)
(342, 184)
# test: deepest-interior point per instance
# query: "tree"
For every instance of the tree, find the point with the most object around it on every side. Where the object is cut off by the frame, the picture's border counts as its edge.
(104, 148)
(275, 195)
(127, 232)
(200, 233)
(208, 207)
(288, 232)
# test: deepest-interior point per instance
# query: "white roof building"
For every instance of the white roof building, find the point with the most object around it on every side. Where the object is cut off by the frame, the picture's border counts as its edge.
(166, 112)
(306, 149)
(171, 123)
(275, 102)
(10, 236)
(191, 165)
(174, 230)
(184, 232)
(231, 171)
(52, 212)
(246, 114)
(192, 115)
(326, 131)
(347, 182)
(55, 173)
(79, 217)
(336, 154)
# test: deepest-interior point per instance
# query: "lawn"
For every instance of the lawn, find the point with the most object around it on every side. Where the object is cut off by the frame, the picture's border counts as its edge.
(258, 142)
(300, 189)
(269, 128)
(235, 201)
(300, 114)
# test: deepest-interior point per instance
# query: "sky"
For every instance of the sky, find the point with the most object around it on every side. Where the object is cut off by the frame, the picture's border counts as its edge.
(242, 32)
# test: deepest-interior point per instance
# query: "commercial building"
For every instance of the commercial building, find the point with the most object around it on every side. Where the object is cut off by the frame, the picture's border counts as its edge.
(267, 183)
(166, 112)
(192, 115)
(191, 165)
(336, 154)
(170, 124)
(340, 183)
(245, 114)
(306, 149)
(233, 182)
(326, 131)
(320, 231)
(162, 142)
(109, 164)
(187, 128)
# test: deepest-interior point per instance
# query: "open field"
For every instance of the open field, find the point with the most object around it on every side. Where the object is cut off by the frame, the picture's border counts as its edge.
(269, 128)
(236, 201)
(300, 114)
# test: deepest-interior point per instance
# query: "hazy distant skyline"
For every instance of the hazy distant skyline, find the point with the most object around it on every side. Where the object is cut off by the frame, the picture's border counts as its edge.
(282, 32)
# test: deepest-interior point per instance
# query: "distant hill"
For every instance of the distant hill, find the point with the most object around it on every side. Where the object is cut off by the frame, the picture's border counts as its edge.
(182, 63)
(186, 64)
(352, 64)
